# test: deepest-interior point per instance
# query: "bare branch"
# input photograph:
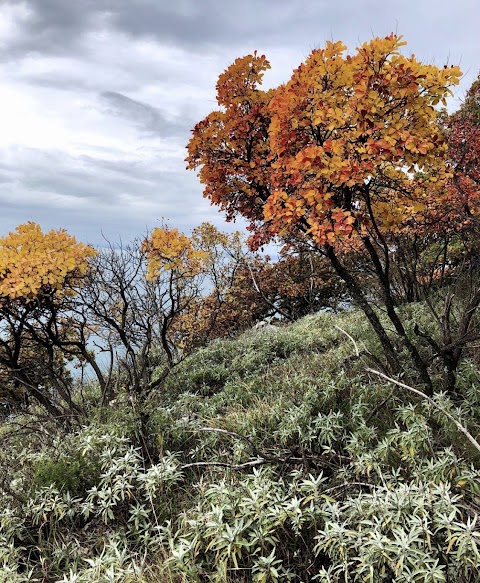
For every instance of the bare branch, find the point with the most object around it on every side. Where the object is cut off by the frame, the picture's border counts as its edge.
(458, 425)
(357, 352)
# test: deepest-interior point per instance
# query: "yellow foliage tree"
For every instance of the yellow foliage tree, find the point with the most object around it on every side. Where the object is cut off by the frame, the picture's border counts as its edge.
(40, 273)
(33, 263)
(169, 250)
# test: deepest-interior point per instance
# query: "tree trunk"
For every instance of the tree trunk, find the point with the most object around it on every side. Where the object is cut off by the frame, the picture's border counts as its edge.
(389, 301)
(359, 298)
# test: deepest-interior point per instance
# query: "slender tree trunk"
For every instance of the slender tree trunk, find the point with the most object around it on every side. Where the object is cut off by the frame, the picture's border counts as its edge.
(360, 299)
(417, 359)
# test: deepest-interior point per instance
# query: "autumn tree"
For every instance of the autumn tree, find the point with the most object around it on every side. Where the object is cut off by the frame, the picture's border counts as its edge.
(223, 254)
(452, 221)
(174, 256)
(438, 247)
(232, 145)
(113, 315)
(40, 274)
(286, 289)
(241, 288)
(126, 308)
(463, 139)
(108, 314)
(303, 283)
(339, 157)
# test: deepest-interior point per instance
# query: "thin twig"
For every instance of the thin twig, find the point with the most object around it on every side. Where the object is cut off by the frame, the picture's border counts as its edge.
(250, 464)
(265, 298)
(347, 485)
(350, 338)
(267, 460)
(380, 406)
(326, 460)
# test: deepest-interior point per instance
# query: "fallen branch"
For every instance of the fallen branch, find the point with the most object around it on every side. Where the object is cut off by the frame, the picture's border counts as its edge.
(250, 464)
(267, 460)
(328, 459)
(347, 485)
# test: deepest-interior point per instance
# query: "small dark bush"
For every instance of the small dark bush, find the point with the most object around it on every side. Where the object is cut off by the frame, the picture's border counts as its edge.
(74, 473)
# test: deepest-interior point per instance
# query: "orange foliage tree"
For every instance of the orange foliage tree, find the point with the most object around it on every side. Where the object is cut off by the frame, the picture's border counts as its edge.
(440, 244)
(339, 157)
(463, 138)
(232, 145)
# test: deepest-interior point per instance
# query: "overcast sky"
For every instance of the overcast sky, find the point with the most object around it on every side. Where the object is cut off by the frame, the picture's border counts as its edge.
(98, 97)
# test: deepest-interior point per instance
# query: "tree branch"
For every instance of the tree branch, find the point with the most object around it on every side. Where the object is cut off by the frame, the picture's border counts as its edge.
(458, 425)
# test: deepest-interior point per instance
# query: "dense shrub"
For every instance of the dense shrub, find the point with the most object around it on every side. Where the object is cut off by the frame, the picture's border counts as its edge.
(280, 458)
(74, 474)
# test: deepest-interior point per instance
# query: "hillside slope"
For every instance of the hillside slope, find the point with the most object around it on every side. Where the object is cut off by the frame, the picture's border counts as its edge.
(279, 457)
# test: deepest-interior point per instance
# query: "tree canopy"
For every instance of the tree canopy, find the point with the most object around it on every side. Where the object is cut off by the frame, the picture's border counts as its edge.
(34, 263)
(346, 145)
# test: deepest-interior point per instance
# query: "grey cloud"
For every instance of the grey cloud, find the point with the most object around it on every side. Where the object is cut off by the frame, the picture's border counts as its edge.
(54, 26)
(58, 24)
(228, 29)
(91, 196)
(148, 118)
(211, 21)
(205, 26)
